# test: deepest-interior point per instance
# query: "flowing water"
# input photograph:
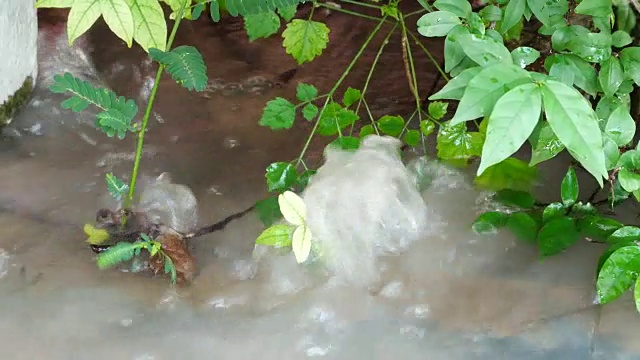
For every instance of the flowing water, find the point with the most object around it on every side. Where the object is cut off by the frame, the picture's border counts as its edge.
(449, 295)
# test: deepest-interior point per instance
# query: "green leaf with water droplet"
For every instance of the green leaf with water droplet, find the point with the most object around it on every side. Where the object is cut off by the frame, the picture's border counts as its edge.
(484, 50)
(620, 126)
(489, 222)
(624, 234)
(391, 125)
(280, 176)
(550, 12)
(437, 23)
(630, 60)
(576, 125)
(454, 89)
(619, 271)
(437, 109)
(279, 113)
(305, 39)
(335, 118)
(523, 226)
(545, 143)
(600, 8)
(569, 188)
(455, 143)
(261, 25)
(306, 92)
(611, 76)
(509, 174)
(512, 121)
(557, 235)
(553, 211)
(486, 88)
(461, 8)
(453, 53)
(524, 56)
(593, 47)
(598, 228)
(427, 127)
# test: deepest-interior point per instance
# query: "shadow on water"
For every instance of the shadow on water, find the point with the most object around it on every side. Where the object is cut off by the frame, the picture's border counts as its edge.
(454, 295)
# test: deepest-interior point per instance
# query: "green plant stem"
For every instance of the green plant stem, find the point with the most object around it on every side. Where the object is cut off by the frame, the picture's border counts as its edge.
(428, 53)
(147, 113)
(359, 3)
(373, 67)
(412, 68)
(335, 87)
(335, 8)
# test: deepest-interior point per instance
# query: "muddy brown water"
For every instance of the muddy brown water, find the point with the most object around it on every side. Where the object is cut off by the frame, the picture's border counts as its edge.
(455, 295)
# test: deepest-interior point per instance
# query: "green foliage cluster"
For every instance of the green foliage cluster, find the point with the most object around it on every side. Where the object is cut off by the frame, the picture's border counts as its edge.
(574, 96)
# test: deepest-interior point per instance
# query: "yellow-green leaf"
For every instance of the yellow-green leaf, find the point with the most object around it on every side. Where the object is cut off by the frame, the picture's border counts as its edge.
(175, 7)
(95, 236)
(292, 208)
(54, 3)
(82, 16)
(301, 243)
(117, 15)
(150, 27)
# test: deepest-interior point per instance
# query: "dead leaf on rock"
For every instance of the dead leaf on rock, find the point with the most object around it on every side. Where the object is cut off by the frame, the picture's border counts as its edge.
(175, 247)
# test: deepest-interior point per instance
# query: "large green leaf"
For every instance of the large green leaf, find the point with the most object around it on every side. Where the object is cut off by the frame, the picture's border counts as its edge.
(185, 65)
(486, 88)
(512, 121)
(149, 23)
(305, 39)
(454, 89)
(575, 123)
(484, 50)
(437, 23)
(545, 144)
(618, 273)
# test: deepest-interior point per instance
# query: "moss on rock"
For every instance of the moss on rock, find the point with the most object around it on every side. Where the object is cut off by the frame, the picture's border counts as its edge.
(15, 102)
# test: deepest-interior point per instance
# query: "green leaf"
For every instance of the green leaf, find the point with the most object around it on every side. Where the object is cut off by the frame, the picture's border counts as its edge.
(437, 23)
(391, 125)
(620, 126)
(117, 15)
(580, 209)
(476, 25)
(305, 177)
(545, 144)
(508, 174)
(516, 198)
(625, 17)
(288, 12)
(150, 27)
(485, 89)
(268, 211)
(571, 70)
(334, 118)
(197, 11)
(54, 3)
(116, 187)
(636, 295)
(553, 211)
(607, 104)
(116, 254)
(306, 92)
(524, 56)
(624, 234)
(261, 25)
(617, 195)
(305, 39)
(593, 47)
(113, 122)
(185, 65)
(412, 137)
(437, 109)
(453, 53)
(346, 142)
(512, 121)
(427, 127)
(293, 208)
(280, 176)
(569, 189)
(455, 143)
(598, 228)
(461, 8)
(557, 235)
(595, 8)
(83, 14)
(549, 12)
(351, 96)
(95, 236)
(630, 60)
(523, 226)
(455, 88)
(629, 181)
(277, 236)
(618, 273)
(491, 13)
(278, 114)
(490, 222)
(367, 130)
(620, 39)
(214, 10)
(309, 112)
(484, 51)
(611, 76)
(512, 15)
(170, 268)
(575, 123)
(630, 160)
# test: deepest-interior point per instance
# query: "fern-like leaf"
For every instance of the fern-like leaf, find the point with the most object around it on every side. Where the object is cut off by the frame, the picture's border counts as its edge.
(170, 268)
(116, 187)
(250, 7)
(185, 64)
(118, 253)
